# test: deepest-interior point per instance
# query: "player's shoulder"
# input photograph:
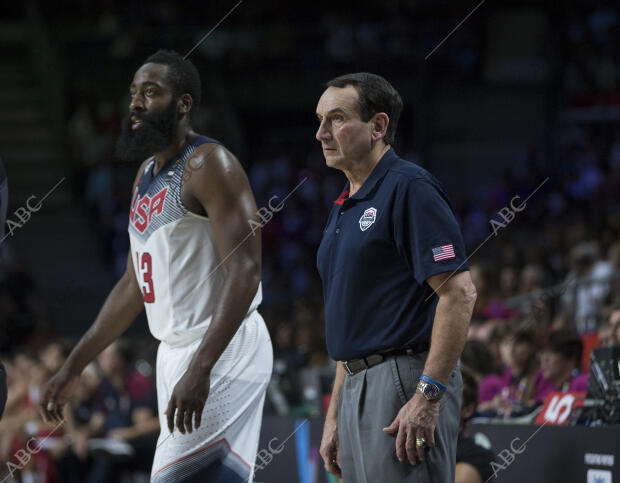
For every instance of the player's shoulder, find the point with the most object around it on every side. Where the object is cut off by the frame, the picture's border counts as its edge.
(214, 169)
(211, 154)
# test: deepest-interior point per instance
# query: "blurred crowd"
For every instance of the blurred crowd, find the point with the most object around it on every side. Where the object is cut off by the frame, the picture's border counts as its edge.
(548, 286)
(110, 427)
(516, 366)
(592, 74)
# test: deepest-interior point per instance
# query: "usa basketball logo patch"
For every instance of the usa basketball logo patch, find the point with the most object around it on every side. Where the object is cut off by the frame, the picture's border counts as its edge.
(368, 218)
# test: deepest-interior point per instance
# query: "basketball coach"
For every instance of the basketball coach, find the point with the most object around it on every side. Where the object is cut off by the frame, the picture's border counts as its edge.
(398, 297)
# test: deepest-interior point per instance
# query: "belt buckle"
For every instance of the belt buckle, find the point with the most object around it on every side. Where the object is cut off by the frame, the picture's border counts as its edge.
(345, 364)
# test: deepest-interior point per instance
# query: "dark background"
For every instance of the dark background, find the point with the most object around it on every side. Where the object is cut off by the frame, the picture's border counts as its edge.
(521, 94)
(521, 91)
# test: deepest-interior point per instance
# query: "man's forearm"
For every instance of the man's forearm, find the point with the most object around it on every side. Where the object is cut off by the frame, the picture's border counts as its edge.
(450, 327)
(332, 410)
(120, 309)
(237, 294)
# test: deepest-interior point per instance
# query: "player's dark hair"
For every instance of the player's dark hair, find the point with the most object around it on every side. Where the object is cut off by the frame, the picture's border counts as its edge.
(375, 95)
(182, 74)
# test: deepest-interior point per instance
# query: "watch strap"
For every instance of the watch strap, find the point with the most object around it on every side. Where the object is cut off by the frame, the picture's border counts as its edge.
(433, 381)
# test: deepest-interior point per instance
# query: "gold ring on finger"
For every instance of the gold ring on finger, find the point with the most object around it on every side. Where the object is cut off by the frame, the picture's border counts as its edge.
(419, 442)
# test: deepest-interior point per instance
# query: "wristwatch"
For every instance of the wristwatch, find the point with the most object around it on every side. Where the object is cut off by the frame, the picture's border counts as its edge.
(432, 392)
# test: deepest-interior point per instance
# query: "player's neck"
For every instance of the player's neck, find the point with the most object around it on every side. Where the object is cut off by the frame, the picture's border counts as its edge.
(182, 137)
(359, 171)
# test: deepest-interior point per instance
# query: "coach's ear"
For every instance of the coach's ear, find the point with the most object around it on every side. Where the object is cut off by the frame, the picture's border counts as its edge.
(184, 104)
(379, 124)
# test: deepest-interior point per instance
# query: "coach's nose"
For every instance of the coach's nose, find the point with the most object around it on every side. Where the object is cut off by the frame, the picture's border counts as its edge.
(322, 133)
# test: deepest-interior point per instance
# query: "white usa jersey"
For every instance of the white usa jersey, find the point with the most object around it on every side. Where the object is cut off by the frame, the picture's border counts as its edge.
(174, 254)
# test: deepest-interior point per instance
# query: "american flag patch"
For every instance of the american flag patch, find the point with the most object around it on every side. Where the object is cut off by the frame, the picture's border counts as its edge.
(444, 252)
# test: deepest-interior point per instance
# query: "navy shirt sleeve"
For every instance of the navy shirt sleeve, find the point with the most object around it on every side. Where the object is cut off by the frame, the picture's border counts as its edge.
(426, 232)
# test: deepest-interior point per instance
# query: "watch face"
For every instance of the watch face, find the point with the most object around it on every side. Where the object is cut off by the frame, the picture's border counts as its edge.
(431, 391)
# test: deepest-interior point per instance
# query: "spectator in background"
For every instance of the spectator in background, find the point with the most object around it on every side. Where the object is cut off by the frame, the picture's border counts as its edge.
(584, 299)
(84, 419)
(287, 362)
(508, 281)
(608, 318)
(477, 360)
(131, 424)
(499, 332)
(532, 278)
(473, 462)
(26, 376)
(560, 364)
(481, 329)
(516, 387)
(532, 281)
(605, 335)
(480, 280)
(614, 322)
(491, 384)
(54, 354)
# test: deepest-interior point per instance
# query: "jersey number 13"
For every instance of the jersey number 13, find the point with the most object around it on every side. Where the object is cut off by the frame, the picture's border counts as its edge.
(145, 276)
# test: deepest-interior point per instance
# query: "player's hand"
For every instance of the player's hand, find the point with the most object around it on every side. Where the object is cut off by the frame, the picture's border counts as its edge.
(416, 419)
(329, 447)
(188, 399)
(56, 394)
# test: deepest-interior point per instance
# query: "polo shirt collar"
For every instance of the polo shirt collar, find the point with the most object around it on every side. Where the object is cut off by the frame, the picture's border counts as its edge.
(379, 171)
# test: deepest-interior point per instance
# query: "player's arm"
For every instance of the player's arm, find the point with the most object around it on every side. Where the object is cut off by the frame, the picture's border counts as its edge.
(119, 310)
(329, 442)
(221, 186)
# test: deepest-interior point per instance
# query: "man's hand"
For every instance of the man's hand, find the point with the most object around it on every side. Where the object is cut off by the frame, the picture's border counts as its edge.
(416, 419)
(329, 447)
(188, 399)
(56, 394)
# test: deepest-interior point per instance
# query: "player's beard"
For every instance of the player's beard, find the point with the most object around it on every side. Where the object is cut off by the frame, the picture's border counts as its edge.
(154, 135)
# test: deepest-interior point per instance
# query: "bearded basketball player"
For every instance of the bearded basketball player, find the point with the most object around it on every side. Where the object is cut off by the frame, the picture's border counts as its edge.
(197, 279)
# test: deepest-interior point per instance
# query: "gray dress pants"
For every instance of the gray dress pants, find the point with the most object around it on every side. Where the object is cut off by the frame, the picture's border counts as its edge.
(370, 401)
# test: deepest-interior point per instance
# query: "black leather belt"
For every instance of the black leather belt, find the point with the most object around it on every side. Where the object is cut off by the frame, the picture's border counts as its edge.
(354, 366)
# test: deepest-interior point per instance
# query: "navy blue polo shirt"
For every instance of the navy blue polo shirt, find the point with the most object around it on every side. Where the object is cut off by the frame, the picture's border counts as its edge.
(378, 249)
